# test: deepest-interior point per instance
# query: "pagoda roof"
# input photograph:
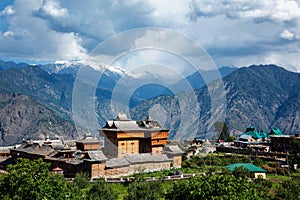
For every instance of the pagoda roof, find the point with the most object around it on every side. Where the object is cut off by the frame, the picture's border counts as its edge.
(89, 138)
(122, 117)
(122, 123)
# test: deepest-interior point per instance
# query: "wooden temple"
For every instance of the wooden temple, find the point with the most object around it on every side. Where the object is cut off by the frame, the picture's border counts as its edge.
(123, 136)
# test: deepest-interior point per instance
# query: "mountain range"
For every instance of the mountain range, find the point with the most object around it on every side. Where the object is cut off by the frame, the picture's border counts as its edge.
(23, 118)
(263, 96)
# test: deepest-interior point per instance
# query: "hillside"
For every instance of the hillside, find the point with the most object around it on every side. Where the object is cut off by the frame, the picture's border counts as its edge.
(21, 117)
(55, 91)
(263, 96)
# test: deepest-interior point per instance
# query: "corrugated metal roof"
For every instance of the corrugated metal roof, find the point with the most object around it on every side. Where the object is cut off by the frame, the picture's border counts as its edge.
(249, 166)
(246, 137)
(276, 131)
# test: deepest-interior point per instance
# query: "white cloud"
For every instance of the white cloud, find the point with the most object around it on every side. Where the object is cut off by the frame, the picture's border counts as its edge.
(7, 11)
(232, 31)
(287, 35)
(52, 8)
(8, 33)
(30, 38)
(170, 14)
(258, 10)
(289, 61)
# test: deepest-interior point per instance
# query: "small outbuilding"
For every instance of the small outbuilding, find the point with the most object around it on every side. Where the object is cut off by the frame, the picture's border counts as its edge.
(57, 170)
(255, 171)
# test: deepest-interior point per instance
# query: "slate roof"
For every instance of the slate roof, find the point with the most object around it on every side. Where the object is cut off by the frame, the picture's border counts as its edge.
(173, 149)
(117, 162)
(35, 148)
(137, 159)
(89, 138)
(146, 158)
(249, 166)
(122, 123)
(96, 155)
(131, 126)
(127, 125)
(122, 117)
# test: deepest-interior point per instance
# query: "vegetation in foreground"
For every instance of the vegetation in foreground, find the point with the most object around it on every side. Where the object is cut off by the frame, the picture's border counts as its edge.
(32, 180)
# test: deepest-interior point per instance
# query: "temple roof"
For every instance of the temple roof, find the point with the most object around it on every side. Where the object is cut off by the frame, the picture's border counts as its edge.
(117, 162)
(89, 138)
(146, 158)
(173, 149)
(97, 156)
(122, 123)
(122, 117)
(34, 148)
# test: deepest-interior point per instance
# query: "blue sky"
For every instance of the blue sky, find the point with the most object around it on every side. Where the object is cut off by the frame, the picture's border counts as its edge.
(234, 33)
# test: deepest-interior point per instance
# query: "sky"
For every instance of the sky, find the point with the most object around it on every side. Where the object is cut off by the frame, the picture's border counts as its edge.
(232, 32)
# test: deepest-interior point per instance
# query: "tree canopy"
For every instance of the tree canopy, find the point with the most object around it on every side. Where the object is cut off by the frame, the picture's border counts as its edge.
(222, 129)
(31, 180)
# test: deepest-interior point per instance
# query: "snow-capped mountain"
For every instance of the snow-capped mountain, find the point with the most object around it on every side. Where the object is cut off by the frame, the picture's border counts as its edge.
(72, 67)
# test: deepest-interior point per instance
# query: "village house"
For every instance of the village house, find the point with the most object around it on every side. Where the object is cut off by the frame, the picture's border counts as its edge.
(257, 140)
(130, 146)
(255, 171)
(285, 143)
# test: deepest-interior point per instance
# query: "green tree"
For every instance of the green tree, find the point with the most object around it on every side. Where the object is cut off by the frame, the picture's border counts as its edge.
(82, 180)
(241, 172)
(289, 189)
(31, 179)
(230, 138)
(140, 189)
(79, 187)
(222, 186)
(101, 190)
(222, 129)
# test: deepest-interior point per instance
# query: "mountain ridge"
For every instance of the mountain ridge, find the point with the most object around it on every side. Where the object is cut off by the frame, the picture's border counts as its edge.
(259, 95)
(254, 96)
(23, 118)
